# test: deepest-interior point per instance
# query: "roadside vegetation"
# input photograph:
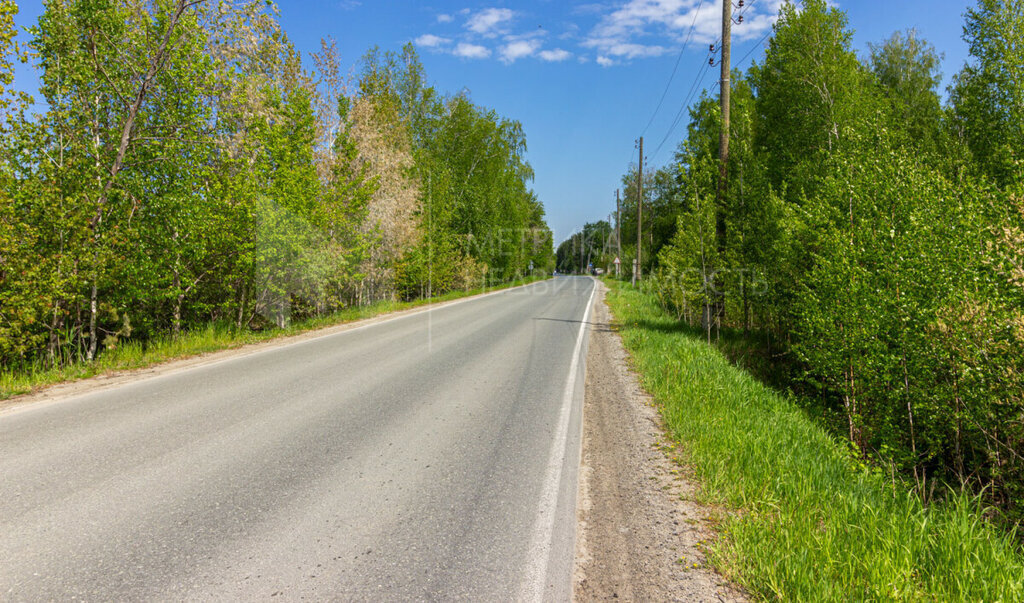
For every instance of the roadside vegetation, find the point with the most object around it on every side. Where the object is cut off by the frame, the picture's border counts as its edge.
(211, 337)
(188, 179)
(801, 518)
(866, 249)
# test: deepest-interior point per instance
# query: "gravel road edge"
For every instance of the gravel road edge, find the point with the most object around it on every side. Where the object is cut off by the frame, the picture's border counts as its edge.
(639, 534)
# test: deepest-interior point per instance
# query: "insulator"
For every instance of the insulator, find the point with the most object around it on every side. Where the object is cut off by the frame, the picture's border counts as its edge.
(711, 48)
(741, 3)
(741, 18)
(711, 62)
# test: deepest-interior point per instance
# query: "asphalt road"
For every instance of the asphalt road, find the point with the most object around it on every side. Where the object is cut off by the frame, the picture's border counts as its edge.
(433, 456)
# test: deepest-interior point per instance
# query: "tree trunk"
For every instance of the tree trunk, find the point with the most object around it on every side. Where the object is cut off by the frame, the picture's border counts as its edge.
(178, 299)
(910, 410)
(179, 296)
(746, 310)
(54, 344)
(241, 306)
(90, 355)
(705, 319)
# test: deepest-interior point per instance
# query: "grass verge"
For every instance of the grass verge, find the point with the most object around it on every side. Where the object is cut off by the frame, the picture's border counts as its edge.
(806, 522)
(211, 338)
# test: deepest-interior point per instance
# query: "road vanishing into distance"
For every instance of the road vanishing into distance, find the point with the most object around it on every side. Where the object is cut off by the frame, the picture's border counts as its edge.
(429, 456)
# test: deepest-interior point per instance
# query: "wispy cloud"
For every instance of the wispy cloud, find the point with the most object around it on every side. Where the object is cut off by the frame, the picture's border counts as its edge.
(471, 51)
(626, 50)
(556, 55)
(431, 41)
(518, 49)
(650, 28)
(490, 22)
(571, 31)
(607, 32)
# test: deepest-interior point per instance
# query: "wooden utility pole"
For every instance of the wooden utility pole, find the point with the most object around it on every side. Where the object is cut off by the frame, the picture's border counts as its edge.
(582, 267)
(723, 140)
(639, 213)
(723, 152)
(618, 224)
(576, 244)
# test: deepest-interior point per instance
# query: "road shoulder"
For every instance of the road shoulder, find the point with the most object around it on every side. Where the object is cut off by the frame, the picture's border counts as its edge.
(640, 533)
(65, 390)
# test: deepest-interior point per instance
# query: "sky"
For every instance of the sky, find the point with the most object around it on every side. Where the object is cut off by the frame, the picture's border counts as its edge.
(586, 79)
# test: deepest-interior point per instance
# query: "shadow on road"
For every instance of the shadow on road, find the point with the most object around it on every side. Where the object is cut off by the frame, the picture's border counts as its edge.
(601, 327)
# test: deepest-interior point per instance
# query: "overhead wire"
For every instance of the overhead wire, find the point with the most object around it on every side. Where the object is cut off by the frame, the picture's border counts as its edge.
(699, 79)
(755, 47)
(675, 68)
(759, 42)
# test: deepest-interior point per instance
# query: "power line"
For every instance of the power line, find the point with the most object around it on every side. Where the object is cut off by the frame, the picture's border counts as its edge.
(755, 47)
(699, 79)
(675, 68)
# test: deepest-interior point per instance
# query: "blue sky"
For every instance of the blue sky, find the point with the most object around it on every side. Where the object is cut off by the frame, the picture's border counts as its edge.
(584, 78)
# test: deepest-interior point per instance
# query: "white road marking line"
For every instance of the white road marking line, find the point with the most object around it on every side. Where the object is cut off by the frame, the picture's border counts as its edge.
(534, 582)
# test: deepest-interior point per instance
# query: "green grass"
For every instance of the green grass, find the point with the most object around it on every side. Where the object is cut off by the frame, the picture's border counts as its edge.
(211, 338)
(800, 519)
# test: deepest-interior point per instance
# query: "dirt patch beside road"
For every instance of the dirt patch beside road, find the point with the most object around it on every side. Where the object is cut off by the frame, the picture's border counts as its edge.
(640, 534)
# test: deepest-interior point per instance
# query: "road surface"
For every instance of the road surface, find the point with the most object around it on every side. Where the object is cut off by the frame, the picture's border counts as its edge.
(432, 456)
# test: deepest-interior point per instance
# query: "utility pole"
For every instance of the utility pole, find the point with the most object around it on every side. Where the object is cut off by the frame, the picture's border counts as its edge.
(723, 151)
(582, 267)
(618, 231)
(639, 213)
(723, 140)
(575, 242)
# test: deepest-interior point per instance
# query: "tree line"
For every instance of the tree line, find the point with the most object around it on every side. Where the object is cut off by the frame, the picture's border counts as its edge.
(593, 246)
(871, 236)
(190, 166)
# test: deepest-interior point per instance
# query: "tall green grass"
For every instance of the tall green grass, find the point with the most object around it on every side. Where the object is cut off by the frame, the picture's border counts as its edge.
(209, 338)
(802, 520)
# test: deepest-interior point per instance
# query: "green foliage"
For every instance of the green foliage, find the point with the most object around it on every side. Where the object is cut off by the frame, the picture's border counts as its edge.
(988, 93)
(802, 522)
(594, 246)
(906, 247)
(906, 68)
(810, 92)
(189, 170)
(866, 241)
(205, 338)
(689, 262)
(8, 47)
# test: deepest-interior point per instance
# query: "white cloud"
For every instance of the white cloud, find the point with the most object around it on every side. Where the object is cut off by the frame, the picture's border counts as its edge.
(471, 51)
(627, 32)
(554, 56)
(592, 8)
(518, 49)
(633, 51)
(431, 41)
(442, 18)
(571, 31)
(490, 21)
(604, 61)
